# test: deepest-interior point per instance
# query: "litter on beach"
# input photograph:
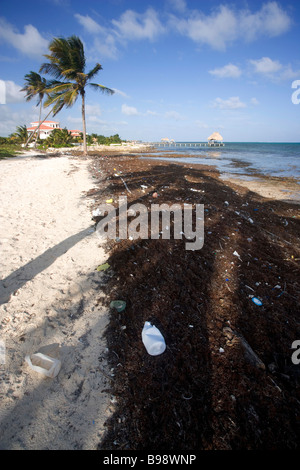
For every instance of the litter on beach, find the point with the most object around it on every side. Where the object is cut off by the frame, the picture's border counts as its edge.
(153, 339)
(103, 267)
(256, 301)
(119, 305)
(237, 255)
(43, 364)
(97, 213)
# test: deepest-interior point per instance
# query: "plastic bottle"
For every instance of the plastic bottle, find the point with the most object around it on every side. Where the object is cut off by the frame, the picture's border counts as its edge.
(153, 340)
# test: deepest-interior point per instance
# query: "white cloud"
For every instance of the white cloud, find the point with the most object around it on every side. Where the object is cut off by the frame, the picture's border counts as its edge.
(89, 24)
(288, 73)
(30, 43)
(271, 20)
(151, 113)
(133, 25)
(129, 110)
(273, 69)
(104, 38)
(178, 5)
(13, 92)
(265, 65)
(106, 47)
(225, 24)
(216, 29)
(228, 71)
(10, 119)
(231, 103)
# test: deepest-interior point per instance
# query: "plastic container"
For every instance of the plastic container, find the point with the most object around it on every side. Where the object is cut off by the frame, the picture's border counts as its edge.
(153, 339)
(257, 301)
(44, 364)
(119, 305)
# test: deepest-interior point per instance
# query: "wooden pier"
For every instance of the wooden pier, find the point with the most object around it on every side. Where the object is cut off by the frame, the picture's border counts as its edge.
(187, 144)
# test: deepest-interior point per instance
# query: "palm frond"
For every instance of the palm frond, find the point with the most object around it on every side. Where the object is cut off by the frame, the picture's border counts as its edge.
(77, 53)
(59, 86)
(102, 88)
(51, 68)
(94, 71)
(35, 86)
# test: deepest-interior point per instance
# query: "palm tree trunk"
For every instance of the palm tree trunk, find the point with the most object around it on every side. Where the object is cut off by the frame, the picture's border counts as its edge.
(83, 124)
(38, 133)
(40, 123)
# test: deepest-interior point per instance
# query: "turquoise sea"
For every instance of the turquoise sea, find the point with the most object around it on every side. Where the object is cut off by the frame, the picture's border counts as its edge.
(243, 159)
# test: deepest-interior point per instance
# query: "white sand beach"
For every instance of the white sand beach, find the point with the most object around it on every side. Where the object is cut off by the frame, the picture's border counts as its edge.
(49, 256)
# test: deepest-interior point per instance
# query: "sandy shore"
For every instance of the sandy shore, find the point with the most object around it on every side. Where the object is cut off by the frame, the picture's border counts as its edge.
(49, 256)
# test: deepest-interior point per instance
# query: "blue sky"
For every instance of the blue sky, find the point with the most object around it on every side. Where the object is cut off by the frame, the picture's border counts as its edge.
(180, 69)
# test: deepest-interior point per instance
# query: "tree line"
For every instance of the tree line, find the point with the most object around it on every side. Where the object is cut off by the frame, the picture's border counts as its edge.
(59, 138)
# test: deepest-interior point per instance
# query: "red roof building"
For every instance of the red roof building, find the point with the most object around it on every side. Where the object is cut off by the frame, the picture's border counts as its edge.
(47, 127)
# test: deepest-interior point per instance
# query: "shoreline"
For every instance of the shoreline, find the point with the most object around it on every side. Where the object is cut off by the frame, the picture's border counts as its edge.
(278, 188)
(265, 185)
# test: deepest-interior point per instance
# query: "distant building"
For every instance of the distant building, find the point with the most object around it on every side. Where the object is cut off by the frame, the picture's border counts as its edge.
(75, 132)
(215, 137)
(47, 127)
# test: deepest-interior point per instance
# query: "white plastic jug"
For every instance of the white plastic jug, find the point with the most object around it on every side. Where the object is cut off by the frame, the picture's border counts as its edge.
(153, 340)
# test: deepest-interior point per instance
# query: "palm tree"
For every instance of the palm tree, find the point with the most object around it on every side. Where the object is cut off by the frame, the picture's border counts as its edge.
(21, 134)
(67, 63)
(35, 86)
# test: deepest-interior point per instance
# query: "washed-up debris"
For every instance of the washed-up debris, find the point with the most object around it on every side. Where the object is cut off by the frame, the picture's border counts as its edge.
(119, 305)
(153, 340)
(236, 254)
(109, 201)
(103, 267)
(235, 337)
(127, 189)
(97, 213)
(256, 301)
(43, 364)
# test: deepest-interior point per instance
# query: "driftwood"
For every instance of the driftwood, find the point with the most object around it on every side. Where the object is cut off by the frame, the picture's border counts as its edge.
(250, 355)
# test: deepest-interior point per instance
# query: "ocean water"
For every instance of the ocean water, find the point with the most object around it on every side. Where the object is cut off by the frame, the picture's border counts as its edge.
(243, 159)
